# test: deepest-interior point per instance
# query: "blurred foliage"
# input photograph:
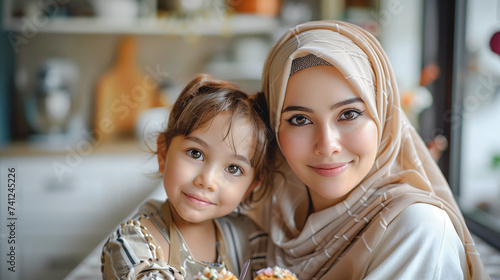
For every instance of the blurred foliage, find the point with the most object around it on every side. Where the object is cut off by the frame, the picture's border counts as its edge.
(495, 161)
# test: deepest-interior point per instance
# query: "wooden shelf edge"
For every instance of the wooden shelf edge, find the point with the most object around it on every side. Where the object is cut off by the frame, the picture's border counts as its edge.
(204, 26)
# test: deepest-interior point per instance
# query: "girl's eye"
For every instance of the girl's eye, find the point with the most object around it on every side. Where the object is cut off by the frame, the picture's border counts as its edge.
(195, 154)
(234, 170)
(350, 114)
(298, 120)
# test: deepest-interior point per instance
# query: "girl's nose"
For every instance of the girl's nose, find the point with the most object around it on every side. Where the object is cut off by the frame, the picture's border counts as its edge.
(327, 141)
(207, 179)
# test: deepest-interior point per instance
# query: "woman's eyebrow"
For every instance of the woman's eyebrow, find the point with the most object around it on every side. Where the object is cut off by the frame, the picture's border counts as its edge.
(334, 106)
(297, 108)
(347, 102)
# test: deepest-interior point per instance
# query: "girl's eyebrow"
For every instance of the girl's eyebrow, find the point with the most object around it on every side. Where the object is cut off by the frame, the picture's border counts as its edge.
(243, 159)
(334, 106)
(197, 140)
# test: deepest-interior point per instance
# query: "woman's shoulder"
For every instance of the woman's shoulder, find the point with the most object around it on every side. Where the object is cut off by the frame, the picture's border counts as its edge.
(423, 241)
(420, 214)
(424, 219)
(423, 223)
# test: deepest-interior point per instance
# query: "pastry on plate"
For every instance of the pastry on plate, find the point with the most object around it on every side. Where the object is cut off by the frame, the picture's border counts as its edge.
(276, 272)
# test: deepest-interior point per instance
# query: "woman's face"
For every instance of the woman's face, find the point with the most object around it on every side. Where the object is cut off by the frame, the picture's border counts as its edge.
(326, 134)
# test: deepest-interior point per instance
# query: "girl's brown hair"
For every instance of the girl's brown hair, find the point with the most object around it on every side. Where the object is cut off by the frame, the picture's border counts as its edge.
(201, 101)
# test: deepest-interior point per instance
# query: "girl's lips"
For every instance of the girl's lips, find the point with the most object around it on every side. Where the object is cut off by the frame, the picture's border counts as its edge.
(197, 200)
(330, 170)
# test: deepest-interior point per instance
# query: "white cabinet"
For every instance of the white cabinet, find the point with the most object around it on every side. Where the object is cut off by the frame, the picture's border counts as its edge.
(60, 221)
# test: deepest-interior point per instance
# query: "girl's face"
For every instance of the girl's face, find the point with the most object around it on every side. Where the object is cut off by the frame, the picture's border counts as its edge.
(205, 175)
(326, 134)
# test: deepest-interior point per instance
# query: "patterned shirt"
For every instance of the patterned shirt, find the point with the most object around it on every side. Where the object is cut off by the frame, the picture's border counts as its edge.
(131, 252)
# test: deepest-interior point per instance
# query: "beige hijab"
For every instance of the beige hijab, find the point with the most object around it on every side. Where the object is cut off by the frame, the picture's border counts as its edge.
(403, 174)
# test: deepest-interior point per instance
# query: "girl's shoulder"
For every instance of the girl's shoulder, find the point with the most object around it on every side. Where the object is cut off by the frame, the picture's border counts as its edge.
(133, 248)
(133, 236)
(151, 207)
(128, 247)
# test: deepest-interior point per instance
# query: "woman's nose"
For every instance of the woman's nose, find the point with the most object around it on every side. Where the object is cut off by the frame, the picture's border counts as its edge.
(327, 141)
(207, 179)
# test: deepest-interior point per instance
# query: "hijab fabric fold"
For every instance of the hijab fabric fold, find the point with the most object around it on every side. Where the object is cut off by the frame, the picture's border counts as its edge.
(403, 174)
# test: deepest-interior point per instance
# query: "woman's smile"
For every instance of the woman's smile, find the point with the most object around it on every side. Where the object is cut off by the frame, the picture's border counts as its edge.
(331, 169)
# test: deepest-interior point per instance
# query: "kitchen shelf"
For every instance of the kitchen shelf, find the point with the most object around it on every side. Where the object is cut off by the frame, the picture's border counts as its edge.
(27, 148)
(238, 24)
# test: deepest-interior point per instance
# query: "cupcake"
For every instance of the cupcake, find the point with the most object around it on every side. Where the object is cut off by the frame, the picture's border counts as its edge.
(214, 274)
(275, 272)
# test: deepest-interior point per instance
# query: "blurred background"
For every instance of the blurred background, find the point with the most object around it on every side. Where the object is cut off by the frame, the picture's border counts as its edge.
(85, 84)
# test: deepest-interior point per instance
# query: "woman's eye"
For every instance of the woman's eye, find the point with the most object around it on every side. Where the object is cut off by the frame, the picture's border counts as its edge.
(350, 114)
(195, 154)
(298, 120)
(234, 170)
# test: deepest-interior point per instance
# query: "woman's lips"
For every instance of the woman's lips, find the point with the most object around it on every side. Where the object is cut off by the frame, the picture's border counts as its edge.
(198, 200)
(330, 170)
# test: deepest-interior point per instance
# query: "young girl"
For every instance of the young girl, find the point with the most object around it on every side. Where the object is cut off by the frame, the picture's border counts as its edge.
(211, 157)
(361, 197)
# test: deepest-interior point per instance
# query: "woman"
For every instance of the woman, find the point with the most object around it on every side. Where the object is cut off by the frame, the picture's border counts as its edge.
(360, 196)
